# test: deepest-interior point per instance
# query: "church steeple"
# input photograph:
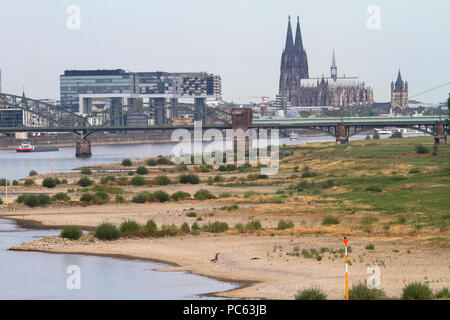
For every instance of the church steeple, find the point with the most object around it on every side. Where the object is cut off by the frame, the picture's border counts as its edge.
(333, 68)
(298, 37)
(399, 82)
(289, 40)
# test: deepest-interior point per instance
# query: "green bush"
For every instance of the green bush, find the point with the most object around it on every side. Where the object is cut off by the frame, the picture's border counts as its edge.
(28, 182)
(131, 173)
(185, 227)
(239, 227)
(15, 183)
(85, 182)
(61, 196)
(376, 135)
(230, 208)
(163, 161)
(444, 293)
(34, 200)
(414, 170)
(191, 214)
(231, 167)
(151, 226)
(119, 199)
(141, 197)
(101, 196)
(127, 163)
(253, 225)
(421, 149)
(4, 182)
(374, 189)
(86, 171)
(222, 168)
(330, 220)
(217, 227)
(370, 246)
(107, 231)
(151, 162)
(138, 181)
(1, 201)
(203, 194)
(142, 170)
(33, 173)
(180, 195)
(72, 233)
(396, 134)
(49, 183)
(108, 189)
(285, 225)
(189, 178)
(161, 196)
(107, 179)
(129, 226)
(362, 292)
(87, 198)
(162, 180)
(310, 294)
(417, 291)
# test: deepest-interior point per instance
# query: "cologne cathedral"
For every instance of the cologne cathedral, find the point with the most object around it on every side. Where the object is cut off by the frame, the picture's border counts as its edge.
(300, 90)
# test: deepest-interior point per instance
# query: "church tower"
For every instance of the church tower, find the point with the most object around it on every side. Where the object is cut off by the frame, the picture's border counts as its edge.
(333, 68)
(399, 93)
(294, 65)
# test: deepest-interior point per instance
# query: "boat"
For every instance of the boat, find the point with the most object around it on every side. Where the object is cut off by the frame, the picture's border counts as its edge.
(28, 147)
(294, 136)
(25, 147)
(383, 131)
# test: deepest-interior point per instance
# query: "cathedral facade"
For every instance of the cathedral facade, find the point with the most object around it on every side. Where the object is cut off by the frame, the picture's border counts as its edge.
(301, 90)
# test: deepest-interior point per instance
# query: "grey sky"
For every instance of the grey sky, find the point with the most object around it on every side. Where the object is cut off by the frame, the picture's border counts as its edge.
(241, 40)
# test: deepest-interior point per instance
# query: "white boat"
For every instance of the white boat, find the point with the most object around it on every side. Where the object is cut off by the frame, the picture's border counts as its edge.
(293, 136)
(383, 131)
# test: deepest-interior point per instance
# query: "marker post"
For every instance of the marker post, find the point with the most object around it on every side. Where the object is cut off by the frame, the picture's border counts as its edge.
(346, 268)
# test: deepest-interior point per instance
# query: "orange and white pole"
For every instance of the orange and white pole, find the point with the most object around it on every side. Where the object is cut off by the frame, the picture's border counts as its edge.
(346, 268)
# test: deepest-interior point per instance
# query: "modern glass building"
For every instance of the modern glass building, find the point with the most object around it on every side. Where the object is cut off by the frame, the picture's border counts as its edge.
(74, 83)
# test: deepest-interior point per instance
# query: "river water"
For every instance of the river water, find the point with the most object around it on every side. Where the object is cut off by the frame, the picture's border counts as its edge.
(35, 275)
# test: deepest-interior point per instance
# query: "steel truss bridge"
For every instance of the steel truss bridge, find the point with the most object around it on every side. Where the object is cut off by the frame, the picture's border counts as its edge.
(46, 117)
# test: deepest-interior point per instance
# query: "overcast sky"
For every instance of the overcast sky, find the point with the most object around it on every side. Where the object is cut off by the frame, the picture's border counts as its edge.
(240, 40)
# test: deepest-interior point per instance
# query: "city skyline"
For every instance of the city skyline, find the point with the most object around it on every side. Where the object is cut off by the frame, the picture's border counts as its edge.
(244, 51)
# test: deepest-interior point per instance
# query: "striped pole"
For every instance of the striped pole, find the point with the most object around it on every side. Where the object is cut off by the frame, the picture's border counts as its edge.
(346, 268)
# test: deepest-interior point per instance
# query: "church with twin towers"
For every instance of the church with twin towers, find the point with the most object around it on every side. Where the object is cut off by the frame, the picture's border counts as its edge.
(298, 89)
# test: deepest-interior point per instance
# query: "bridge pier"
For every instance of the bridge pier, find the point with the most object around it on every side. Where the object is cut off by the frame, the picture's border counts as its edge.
(440, 135)
(341, 133)
(241, 118)
(83, 149)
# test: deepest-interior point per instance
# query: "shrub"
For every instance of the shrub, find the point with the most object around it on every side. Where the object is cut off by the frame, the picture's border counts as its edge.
(61, 196)
(33, 200)
(64, 181)
(330, 220)
(72, 233)
(141, 197)
(28, 182)
(217, 227)
(138, 181)
(163, 161)
(151, 226)
(161, 196)
(362, 292)
(180, 195)
(49, 183)
(230, 208)
(308, 174)
(131, 173)
(376, 135)
(105, 180)
(204, 194)
(222, 168)
(101, 196)
(239, 227)
(108, 189)
(368, 137)
(162, 180)
(370, 246)
(142, 170)
(15, 183)
(1, 201)
(414, 170)
(87, 198)
(191, 214)
(374, 189)
(85, 182)
(151, 162)
(20, 198)
(219, 178)
(417, 291)
(127, 163)
(421, 149)
(285, 225)
(189, 178)
(4, 182)
(185, 227)
(444, 293)
(86, 171)
(396, 134)
(310, 294)
(107, 231)
(129, 226)
(119, 199)
(32, 173)
(181, 167)
(253, 225)
(231, 167)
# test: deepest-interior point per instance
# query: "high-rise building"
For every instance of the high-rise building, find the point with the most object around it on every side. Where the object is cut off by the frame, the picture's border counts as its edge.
(1, 81)
(399, 93)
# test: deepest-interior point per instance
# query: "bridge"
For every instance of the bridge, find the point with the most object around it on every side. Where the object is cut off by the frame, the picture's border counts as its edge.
(44, 117)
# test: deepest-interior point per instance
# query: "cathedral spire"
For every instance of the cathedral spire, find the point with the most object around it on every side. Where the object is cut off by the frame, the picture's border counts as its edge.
(399, 82)
(298, 37)
(333, 68)
(333, 62)
(289, 39)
